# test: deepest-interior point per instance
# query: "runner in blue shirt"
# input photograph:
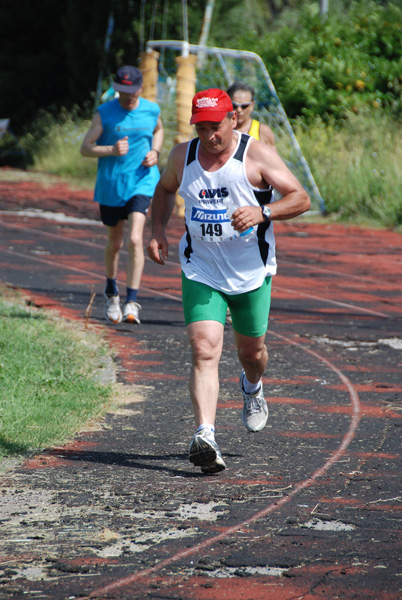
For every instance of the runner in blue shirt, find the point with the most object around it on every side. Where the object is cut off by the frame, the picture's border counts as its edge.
(126, 137)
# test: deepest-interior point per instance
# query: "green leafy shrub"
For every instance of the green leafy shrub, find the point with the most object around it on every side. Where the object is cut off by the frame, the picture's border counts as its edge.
(334, 66)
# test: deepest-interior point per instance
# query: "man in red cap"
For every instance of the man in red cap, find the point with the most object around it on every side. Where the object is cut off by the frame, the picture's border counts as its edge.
(227, 255)
(126, 136)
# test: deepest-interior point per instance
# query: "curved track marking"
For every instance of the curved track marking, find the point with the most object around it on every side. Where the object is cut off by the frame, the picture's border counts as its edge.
(396, 261)
(335, 302)
(362, 278)
(347, 438)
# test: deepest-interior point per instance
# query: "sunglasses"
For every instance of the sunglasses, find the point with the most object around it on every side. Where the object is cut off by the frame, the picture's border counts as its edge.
(242, 106)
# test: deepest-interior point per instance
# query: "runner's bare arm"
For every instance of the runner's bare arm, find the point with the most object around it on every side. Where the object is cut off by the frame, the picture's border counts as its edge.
(90, 148)
(152, 156)
(163, 203)
(265, 167)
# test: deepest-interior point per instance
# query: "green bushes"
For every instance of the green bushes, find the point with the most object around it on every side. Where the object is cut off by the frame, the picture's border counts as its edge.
(331, 67)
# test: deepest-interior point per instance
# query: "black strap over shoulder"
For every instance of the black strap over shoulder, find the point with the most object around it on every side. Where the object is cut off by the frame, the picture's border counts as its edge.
(192, 150)
(242, 146)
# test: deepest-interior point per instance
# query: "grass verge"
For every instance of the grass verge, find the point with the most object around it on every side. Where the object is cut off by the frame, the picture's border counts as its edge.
(49, 387)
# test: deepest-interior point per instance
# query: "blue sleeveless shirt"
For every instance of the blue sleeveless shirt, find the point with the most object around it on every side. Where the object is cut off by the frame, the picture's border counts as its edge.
(120, 178)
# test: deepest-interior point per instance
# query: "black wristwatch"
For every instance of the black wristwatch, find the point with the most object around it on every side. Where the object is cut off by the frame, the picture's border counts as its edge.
(266, 213)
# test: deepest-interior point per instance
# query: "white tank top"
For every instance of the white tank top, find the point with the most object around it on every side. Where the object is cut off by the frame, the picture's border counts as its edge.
(211, 252)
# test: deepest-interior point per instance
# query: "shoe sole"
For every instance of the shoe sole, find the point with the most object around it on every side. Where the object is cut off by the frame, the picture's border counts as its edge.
(214, 467)
(112, 321)
(206, 458)
(204, 455)
(131, 319)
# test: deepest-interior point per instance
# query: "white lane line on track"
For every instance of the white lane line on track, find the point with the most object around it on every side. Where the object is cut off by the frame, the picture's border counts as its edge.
(362, 278)
(83, 271)
(333, 252)
(351, 307)
(334, 302)
(50, 216)
(335, 456)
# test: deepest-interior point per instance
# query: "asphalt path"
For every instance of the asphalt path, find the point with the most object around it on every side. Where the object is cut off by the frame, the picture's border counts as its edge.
(308, 508)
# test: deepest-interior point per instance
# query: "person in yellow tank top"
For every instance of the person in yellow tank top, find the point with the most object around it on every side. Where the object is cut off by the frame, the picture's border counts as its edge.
(242, 96)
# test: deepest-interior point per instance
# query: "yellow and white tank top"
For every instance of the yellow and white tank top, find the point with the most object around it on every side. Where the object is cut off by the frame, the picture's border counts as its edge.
(254, 130)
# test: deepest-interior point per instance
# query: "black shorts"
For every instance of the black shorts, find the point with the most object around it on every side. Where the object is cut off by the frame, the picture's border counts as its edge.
(111, 215)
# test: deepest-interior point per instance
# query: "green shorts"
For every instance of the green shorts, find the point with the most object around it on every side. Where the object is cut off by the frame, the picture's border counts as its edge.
(249, 311)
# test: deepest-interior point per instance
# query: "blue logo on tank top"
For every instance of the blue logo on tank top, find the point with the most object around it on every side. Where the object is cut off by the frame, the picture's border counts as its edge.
(209, 216)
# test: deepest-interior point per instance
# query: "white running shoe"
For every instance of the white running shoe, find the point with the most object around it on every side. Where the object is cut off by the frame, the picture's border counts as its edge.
(204, 452)
(112, 309)
(131, 311)
(255, 410)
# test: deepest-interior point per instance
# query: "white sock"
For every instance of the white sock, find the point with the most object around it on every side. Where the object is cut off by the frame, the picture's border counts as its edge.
(250, 388)
(206, 426)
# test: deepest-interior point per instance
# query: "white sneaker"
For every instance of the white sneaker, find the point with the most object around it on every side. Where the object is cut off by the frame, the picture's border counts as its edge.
(204, 452)
(131, 311)
(112, 309)
(255, 410)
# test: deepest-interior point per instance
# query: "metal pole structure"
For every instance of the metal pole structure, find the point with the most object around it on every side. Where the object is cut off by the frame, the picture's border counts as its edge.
(152, 28)
(205, 29)
(176, 45)
(109, 31)
(185, 21)
(164, 29)
(142, 25)
(324, 9)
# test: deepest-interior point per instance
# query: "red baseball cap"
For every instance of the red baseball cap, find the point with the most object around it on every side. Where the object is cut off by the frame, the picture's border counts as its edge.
(210, 105)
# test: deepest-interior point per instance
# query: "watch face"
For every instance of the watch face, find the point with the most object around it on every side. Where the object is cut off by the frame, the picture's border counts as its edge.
(267, 212)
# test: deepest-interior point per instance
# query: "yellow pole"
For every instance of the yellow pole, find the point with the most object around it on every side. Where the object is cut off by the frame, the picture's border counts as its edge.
(185, 90)
(149, 68)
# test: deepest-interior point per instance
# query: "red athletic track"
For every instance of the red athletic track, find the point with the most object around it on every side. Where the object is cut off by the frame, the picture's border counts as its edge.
(335, 399)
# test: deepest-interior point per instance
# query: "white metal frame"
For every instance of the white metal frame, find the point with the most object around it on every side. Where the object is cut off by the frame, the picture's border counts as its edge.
(185, 48)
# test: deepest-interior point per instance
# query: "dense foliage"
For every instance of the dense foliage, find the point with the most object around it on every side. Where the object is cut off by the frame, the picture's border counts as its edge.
(56, 55)
(329, 67)
(339, 79)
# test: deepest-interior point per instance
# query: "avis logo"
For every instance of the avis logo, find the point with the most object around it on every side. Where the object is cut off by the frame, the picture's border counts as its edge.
(214, 193)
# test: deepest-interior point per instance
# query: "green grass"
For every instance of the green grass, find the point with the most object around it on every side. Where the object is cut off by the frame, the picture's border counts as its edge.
(357, 169)
(48, 389)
